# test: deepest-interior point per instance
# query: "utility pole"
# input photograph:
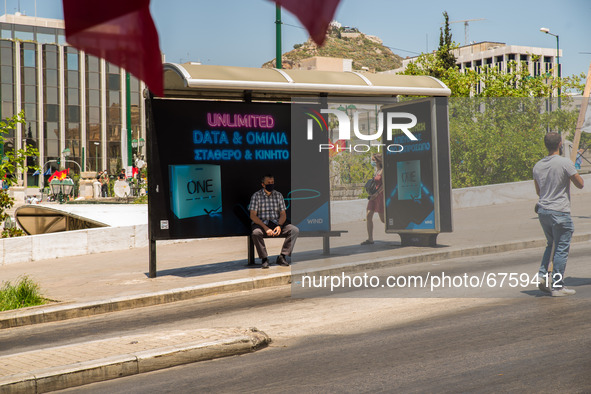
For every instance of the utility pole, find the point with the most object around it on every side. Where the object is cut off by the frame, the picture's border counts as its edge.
(278, 53)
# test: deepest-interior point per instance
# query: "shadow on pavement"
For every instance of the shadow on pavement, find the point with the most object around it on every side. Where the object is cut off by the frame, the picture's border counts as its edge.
(304, 256)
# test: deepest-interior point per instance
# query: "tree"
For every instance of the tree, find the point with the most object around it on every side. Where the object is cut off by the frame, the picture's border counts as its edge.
(497, 117)
(444, 53)
(12, 162)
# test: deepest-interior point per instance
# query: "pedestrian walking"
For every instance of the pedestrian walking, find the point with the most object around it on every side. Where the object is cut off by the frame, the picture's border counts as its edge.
(552, 178)
(375, 203)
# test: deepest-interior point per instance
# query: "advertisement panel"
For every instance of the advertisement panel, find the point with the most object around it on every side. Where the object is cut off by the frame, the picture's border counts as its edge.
(410, 174)
(207, 161)
(208, 158)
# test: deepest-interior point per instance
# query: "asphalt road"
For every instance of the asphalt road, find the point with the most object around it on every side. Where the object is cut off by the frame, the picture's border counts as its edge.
(520, 341)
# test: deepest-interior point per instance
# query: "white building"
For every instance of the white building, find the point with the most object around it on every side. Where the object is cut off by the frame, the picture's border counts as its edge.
(539, 61)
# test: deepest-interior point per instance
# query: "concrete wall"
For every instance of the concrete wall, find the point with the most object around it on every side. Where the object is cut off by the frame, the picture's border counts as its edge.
(72, 243)
(82, 242)
(469, 197)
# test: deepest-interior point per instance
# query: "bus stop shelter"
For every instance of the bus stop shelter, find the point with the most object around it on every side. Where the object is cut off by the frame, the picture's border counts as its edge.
(198, 97)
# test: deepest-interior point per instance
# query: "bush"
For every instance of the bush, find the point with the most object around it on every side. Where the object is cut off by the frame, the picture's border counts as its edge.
(21, 295)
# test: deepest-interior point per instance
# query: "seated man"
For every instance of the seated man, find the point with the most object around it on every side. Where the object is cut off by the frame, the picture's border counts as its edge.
(267, 212)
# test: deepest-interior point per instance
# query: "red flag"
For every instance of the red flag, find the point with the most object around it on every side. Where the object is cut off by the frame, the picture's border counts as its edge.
(119, 31)
(315, 15)
(336, 147)
(54, 175)
(62, 174)
(59, 175)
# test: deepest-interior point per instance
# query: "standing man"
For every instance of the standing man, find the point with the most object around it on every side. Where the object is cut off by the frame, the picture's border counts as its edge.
(104, 180)
(267, 212)
(552, 177)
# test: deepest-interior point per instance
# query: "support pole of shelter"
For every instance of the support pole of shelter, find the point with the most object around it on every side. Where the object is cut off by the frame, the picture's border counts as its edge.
(152, 185)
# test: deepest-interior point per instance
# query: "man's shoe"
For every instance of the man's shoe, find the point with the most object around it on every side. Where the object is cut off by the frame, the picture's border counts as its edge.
(542, 285)
(265, 264)
(281, 261)
(561, 292)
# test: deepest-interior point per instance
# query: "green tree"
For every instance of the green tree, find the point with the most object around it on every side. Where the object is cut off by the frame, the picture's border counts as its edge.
(12, 162)
(444, 53)
(497, 117)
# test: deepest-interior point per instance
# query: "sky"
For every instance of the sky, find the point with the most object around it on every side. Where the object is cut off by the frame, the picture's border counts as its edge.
(242, 32)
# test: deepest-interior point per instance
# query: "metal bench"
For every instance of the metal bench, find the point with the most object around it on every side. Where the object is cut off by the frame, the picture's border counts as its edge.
(305, 234)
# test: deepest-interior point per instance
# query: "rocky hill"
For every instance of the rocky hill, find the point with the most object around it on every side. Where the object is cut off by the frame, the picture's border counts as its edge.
(366, 51)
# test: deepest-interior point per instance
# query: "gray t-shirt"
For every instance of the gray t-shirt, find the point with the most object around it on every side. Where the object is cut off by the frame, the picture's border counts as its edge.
(552, 174)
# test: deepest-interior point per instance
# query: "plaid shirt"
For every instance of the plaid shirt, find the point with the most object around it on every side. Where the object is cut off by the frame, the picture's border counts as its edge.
(267, 207)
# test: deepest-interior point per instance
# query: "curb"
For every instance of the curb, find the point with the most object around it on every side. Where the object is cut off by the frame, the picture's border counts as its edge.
(62, 377)
(46, 314)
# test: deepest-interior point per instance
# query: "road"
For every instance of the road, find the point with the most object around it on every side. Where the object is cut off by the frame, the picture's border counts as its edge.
(520, 341)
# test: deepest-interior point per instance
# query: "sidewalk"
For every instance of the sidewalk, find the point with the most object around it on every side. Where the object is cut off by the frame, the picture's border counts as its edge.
(100, 283)
(75, 365)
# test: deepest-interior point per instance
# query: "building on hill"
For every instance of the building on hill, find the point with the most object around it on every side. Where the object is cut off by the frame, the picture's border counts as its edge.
(71, 99)
(322, 63)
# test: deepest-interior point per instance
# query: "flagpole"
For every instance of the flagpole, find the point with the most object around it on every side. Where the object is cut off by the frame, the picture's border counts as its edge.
(278, 53)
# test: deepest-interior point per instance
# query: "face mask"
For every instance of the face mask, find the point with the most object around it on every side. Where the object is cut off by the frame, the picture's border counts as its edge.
(373, 164)
(270, 187)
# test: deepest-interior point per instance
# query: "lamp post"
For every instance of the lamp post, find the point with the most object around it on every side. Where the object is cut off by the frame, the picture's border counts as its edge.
(61, 189)
(96, 145)
(66, 153)
(26, 169)
(547, 31)
(141, 142)
(137, 144)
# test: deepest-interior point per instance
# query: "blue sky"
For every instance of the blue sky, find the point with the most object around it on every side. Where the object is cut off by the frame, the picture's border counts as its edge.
(242, 32)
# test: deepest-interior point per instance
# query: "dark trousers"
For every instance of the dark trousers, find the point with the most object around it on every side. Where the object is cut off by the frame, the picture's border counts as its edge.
(289, 231)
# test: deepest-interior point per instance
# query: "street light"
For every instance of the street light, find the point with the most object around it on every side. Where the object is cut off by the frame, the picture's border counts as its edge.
(96, 145)
(138, 144)
(61, 189)
(66, 152)
(547, 31)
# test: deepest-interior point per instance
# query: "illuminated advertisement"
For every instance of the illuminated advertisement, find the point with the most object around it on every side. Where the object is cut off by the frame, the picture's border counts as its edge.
(417, 183)
(207, 160)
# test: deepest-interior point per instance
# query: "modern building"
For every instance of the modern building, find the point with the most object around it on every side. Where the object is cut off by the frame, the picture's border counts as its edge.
(75, 104)
(539, 61)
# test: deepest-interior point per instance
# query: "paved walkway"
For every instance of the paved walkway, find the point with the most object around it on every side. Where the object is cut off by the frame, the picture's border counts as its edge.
(106, 282)
(218, 260)
(74, 365)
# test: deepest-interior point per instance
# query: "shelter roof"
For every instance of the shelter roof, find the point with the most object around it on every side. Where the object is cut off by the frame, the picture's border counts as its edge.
(207, 81)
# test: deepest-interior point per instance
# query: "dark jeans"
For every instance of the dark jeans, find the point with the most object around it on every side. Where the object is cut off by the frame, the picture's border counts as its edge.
(289, 231)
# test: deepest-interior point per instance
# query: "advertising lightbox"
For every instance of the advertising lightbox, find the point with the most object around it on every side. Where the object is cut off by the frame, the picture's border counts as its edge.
(417, 179)
(208, 158)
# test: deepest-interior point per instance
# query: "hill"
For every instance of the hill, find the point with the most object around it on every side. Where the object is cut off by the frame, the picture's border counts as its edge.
(366, 51)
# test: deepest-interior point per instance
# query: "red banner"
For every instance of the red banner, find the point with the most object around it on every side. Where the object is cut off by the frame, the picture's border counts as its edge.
(119, 31)
(315, 15)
